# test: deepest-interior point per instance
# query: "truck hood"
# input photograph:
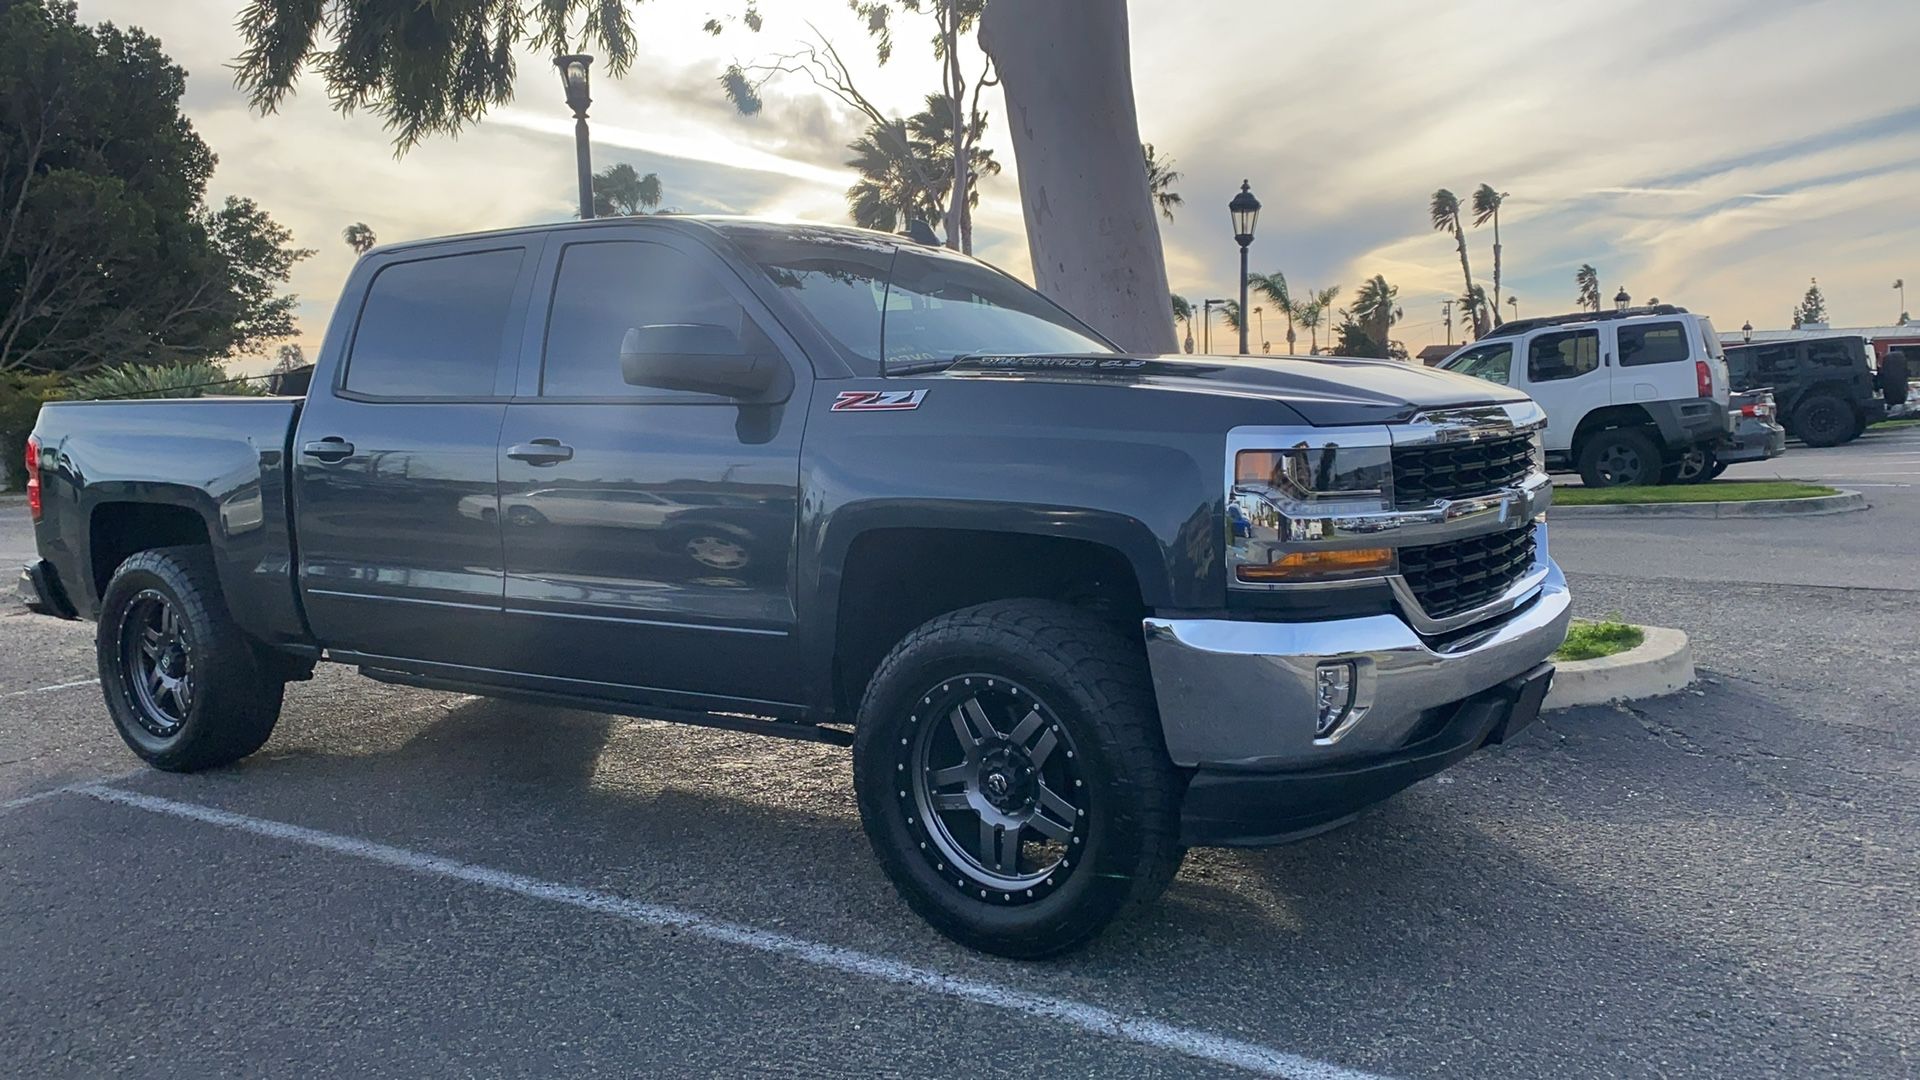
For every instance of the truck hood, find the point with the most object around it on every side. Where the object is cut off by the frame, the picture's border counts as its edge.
(1325, 391)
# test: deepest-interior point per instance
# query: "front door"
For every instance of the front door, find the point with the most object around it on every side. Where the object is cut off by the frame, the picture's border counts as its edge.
(395, 481)
(648, 533)
(1566, 375)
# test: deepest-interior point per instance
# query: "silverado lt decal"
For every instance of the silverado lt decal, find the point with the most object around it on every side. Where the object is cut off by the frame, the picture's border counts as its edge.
(878, 400)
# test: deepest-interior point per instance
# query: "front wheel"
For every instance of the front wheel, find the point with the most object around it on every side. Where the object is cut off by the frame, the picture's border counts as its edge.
(1013, 779)
(186, 689)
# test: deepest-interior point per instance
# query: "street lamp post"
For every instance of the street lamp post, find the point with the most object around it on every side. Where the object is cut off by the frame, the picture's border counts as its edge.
(1900, 285)
(1746, 332)
(1245, 210)
(573, 79)
(1621, 300)
(1206, 323)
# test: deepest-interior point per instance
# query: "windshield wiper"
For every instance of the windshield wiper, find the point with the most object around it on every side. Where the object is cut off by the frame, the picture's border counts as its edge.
(918, 367)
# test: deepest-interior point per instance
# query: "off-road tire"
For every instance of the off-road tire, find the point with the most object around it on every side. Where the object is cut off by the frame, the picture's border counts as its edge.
(1825, 420)
(1620, 457)
(1095, 683)
(237, 691)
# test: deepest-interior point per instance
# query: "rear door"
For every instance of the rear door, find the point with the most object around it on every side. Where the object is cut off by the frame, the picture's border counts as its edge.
(1565, 375)
(395, 481)
(648, 533)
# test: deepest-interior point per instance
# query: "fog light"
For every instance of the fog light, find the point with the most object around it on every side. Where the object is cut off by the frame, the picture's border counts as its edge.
(1334, 683)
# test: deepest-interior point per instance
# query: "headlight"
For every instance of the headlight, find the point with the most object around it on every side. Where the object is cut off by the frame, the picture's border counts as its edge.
(1285, 497)
(1317, 472)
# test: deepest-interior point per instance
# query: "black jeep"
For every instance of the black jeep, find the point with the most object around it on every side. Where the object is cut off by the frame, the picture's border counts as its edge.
(1825, 387)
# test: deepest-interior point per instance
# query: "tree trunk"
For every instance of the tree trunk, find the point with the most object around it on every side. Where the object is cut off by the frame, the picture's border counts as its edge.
(1091, 232)
(1496, 267)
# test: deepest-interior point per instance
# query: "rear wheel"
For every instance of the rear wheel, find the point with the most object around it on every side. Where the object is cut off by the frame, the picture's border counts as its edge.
(186, 689)
(1619, 457)
(1824, 420)
(1696, 466)
(1013, 779)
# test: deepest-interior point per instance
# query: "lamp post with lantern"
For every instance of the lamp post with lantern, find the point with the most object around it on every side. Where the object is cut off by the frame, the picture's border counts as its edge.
(573, 79)
(1746, 332)
(1621, 301)
(1246, 211)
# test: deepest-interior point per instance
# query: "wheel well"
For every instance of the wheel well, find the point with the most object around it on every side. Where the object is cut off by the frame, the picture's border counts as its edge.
(897, 579)
(1608, 418)
(119, 530)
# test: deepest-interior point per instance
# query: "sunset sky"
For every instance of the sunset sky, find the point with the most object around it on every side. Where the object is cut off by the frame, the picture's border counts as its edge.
(1713, 153)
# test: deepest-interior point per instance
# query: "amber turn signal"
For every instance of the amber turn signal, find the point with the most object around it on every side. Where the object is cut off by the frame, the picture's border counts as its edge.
(1311, 565)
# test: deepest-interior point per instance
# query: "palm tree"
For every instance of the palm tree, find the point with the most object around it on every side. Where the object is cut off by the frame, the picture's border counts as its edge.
(1161, 176)
(1183, 314)
(1588, 279)
(1274, 287)
(1473, 304)
(904, 166)
(1314, 312)
(1444, 209)
(1374, 311)
(620, 191)
(359, 236)
(1486, 207)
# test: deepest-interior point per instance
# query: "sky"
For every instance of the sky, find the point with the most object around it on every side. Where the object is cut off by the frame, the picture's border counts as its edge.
(1711, 153)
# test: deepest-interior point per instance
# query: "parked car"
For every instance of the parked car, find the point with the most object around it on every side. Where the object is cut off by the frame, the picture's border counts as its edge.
(1826, 387)
(1757, 436)
(1074, 610)
(1628, 394)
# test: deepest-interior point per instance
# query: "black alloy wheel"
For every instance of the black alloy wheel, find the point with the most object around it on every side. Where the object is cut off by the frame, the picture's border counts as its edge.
(992, 785)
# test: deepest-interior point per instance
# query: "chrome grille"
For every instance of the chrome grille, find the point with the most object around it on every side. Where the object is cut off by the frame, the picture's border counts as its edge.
(1461, 575)
(1422, 474)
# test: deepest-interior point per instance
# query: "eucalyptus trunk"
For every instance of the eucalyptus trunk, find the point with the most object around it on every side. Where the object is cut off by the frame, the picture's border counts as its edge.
(1091, 230)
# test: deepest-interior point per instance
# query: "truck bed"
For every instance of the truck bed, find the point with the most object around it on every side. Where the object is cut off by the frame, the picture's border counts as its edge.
(117, 473)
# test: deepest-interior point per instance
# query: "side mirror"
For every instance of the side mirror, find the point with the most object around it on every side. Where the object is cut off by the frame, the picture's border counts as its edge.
(701, 358)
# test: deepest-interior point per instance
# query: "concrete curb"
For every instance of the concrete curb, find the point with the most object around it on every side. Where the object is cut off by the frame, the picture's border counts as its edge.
(1845, 502)
(1662, 664)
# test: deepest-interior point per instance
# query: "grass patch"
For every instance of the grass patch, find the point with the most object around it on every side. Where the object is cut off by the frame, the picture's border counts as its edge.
(1712, 491)
(1592, 640)
(1905, 422)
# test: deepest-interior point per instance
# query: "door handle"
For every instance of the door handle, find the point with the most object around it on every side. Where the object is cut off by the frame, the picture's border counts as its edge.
(331, 448)
(541, 452)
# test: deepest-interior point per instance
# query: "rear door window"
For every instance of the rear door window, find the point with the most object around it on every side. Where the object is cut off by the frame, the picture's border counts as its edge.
(1565, 354)
(1654, 343)
(431, 328)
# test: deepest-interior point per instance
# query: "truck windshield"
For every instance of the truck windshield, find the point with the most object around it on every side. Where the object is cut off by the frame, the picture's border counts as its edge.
(904, 308)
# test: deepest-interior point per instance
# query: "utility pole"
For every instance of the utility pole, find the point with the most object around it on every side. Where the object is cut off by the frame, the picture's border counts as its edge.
(1446, 312)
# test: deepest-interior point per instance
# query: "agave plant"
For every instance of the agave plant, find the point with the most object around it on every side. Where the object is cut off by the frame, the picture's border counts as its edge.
(198, 378)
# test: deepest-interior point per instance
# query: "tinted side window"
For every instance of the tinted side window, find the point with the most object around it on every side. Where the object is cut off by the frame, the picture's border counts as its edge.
(1653, 343)
(1829, 353)
(1564, 355)
(605, 289)
(1773, 360)
(1494, 363)
(431, 327)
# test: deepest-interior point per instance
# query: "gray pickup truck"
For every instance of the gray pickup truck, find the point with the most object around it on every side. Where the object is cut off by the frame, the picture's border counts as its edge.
(1073, 610)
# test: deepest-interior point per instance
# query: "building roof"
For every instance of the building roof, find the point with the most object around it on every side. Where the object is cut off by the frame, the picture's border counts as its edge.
(1872, 333)
(1433, 354)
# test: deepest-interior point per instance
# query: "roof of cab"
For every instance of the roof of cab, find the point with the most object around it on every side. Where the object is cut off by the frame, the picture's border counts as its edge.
(722, 224)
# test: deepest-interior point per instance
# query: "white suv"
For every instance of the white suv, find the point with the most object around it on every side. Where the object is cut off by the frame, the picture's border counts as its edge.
(1628, 394)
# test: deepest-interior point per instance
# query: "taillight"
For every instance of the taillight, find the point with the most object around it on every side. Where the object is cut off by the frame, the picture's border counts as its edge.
(1704, 376)
(33, 476)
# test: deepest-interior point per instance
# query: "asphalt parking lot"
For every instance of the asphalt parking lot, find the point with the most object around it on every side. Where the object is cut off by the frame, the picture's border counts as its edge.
(1722, 883)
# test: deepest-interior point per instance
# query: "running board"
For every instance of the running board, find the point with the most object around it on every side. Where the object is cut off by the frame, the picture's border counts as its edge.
(730, 721)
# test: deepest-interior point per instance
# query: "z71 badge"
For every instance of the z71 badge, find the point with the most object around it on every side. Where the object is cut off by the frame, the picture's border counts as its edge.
(878, 400)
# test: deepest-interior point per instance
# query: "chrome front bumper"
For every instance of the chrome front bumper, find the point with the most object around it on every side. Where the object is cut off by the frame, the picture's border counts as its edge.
(1244, 695)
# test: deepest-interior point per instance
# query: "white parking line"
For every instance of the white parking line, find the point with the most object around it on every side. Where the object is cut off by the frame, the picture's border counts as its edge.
(51, 689)
(1191, 1042)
